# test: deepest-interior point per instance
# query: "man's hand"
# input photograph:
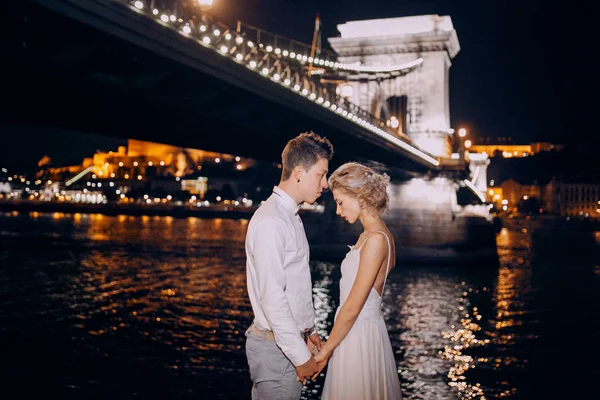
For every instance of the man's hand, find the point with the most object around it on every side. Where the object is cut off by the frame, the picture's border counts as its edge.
(314, 340)
(314, 343)
(306, 370)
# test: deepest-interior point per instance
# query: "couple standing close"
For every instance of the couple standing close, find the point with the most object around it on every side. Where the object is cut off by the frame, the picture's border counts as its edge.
(283, 348)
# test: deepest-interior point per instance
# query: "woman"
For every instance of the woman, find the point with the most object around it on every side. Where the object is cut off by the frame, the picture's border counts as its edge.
(362, 364)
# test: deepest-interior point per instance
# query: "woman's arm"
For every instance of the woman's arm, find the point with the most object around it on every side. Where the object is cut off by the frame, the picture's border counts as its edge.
(372, 254)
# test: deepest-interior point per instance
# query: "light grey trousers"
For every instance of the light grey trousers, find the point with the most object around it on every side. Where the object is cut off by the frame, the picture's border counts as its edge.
(273, 374)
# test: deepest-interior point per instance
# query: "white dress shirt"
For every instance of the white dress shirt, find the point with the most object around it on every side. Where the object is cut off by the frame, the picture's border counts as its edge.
(278, 274)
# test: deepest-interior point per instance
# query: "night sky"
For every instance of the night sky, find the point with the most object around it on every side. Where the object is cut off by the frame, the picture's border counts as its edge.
(516, 74)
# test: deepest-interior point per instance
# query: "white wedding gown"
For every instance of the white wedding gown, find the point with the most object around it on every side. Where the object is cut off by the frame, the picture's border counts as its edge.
(362, 367)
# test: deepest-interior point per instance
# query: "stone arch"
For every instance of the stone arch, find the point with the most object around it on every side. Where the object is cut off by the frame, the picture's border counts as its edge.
(396, 107)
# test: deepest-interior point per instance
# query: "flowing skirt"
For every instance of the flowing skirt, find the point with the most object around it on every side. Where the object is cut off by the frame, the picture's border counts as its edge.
(363, 366)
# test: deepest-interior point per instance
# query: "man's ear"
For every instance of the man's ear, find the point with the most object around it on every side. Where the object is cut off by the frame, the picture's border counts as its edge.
(298, 172)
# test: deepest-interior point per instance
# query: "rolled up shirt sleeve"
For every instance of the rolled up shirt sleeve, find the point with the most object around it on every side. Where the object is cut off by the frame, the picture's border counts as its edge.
(268, 245)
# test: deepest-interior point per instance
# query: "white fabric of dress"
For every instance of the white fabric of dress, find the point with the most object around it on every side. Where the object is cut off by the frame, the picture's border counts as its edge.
(363, 367)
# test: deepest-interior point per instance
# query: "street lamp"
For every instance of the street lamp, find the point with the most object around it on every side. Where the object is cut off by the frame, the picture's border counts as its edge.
(462, 132)
(467, 144)
(205, 3)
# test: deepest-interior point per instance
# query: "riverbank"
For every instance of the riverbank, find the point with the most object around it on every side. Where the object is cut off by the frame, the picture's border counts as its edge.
(553, 223)
(112, 209)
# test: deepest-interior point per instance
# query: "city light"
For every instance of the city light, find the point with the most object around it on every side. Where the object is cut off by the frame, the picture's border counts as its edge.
(462, 132)
(467, 144)
(393, 122)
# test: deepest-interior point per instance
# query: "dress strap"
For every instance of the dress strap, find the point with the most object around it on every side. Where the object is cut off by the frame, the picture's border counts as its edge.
(365, 241)
(389, 257)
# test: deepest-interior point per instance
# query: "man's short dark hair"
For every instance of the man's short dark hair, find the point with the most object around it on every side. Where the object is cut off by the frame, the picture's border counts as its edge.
(304, 150)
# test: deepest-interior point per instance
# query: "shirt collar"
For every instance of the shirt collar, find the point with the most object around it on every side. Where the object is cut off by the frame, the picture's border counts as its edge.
(288, 203)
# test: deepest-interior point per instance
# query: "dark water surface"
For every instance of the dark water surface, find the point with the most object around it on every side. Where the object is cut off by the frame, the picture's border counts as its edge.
(125, 307)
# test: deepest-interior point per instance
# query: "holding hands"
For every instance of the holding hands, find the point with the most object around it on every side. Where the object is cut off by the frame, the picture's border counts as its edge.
(312, 369)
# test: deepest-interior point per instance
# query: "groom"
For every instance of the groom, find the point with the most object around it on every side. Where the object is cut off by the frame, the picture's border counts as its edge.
(282, 339)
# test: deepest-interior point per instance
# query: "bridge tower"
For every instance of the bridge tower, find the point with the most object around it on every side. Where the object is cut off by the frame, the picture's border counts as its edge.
(416, 103)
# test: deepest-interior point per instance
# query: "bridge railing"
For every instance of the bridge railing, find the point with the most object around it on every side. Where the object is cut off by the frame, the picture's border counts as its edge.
(255, 49)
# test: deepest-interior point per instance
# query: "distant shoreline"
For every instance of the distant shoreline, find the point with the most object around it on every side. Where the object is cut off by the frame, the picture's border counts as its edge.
(109, 209)
(551, 223)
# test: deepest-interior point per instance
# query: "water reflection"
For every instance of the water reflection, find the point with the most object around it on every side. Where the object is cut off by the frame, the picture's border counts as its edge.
(157, 307)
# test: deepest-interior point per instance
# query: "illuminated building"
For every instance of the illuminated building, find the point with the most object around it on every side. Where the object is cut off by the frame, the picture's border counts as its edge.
(146, 160)
(508, 150)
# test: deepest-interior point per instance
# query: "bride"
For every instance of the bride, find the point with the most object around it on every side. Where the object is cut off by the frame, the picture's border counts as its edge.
(362, 364)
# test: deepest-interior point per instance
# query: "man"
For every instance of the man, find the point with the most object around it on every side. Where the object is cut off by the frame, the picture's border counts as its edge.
(282, 340)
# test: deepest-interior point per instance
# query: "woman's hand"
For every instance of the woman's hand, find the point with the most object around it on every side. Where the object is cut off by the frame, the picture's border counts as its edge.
(321, 358)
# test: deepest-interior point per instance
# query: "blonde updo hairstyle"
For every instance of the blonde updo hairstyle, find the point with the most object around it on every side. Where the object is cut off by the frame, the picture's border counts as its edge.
(362, 183)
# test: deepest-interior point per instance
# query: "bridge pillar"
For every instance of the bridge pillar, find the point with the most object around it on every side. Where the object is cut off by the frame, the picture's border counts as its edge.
(419, 99)
(478, 163)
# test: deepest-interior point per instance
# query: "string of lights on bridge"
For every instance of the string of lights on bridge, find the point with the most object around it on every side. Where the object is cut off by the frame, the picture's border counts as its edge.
(210, 39)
